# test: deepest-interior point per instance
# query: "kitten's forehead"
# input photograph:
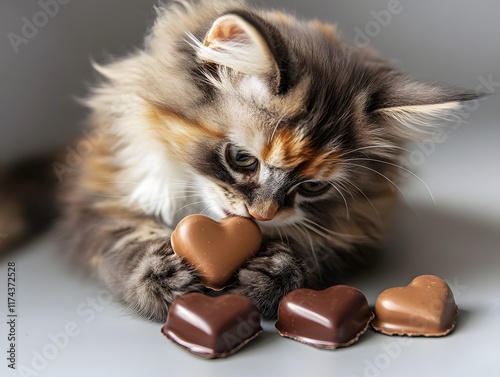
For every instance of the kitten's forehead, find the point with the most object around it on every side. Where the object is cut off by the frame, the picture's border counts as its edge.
(279, 130)
(255, 91)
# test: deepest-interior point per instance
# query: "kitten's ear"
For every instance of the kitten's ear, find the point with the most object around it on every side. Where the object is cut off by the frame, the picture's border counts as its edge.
(414, 110)
(235, 43)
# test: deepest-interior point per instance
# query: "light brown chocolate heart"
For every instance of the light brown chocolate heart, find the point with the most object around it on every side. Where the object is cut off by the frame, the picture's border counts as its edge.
(426, 307)
(216, 250)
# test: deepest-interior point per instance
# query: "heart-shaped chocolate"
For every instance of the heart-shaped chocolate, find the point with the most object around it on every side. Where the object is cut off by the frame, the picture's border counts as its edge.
(212, 327)
(329, 319)
(426, 307)
(216, 250)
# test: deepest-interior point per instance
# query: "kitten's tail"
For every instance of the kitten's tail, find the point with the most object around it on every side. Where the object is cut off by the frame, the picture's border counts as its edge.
(28, 199)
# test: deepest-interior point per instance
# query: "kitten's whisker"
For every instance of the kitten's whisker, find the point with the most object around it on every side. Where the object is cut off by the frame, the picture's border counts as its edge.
(152, 204)
(211, 205)
(328, 233)
(194, 196)
(319, 232)
(342, 185)
(388, 146)
(278, 123)
(304, 235)
(286, 235)
(343, 197)
(188, 205)
(279, 232)
(368, 199)
(181, 188)
(402, 168)
(180, 193)
(389, 180)
(313, 253)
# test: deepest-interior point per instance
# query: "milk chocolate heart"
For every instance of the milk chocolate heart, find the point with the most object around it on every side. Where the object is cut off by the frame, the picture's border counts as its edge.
(426, 307)
(329, 319)
(216, 249)
(212, 327)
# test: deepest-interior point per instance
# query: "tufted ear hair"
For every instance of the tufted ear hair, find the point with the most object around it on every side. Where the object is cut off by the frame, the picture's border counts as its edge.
(414, 110)
(236, 43)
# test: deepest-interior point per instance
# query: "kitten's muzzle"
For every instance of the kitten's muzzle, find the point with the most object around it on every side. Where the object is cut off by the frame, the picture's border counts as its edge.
(265, 212)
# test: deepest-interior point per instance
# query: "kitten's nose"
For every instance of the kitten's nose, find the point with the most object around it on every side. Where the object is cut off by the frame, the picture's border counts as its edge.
(259, 218)
(264, 213)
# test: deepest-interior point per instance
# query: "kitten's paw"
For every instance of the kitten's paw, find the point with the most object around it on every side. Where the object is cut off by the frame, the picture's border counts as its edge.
(268, 277)
(160, 277)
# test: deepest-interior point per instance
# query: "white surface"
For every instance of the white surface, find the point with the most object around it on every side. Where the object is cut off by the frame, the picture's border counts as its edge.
(459, 240)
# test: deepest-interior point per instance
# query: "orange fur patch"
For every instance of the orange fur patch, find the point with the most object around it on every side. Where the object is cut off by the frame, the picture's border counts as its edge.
(323, 164)
(178, 132)
(98, 169)
(327, 30)
(289, 150)
(280, 17)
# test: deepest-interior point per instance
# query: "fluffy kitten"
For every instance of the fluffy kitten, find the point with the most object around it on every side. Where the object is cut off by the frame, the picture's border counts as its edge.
(229, 110)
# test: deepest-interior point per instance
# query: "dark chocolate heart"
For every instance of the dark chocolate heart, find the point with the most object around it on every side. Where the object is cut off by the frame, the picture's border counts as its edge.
(426, 307)
(329, 319)
(212, 327)
(216, 249)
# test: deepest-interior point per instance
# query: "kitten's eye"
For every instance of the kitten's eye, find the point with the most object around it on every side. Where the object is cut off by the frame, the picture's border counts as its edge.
(241, 160)
(314, 188)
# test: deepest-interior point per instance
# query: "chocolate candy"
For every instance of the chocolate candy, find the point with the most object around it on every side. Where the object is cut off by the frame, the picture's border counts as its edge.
(216, 249)
(333, 318)
(212, 327)
(426, 307)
